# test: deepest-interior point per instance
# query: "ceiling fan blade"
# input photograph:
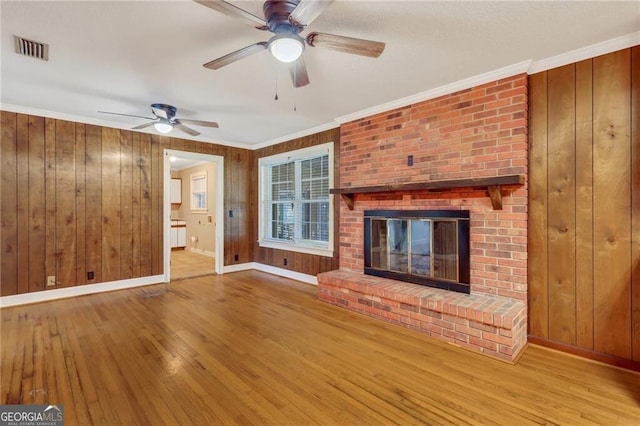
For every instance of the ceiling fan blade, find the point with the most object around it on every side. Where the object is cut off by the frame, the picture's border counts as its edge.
(235, 56)
(198, 123)
(346, 44)
(145, 125)
(298, 72)
(188, 130)
(235, 12)
(126, 115)
(308, 10)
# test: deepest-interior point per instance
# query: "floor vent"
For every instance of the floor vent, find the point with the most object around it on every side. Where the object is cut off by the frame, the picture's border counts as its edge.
(33, 49)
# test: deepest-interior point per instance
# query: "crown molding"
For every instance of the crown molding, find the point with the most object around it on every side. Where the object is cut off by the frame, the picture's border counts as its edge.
(508, 71)
(529, 67)
(106, 123)
(587, 52)
(301, 134)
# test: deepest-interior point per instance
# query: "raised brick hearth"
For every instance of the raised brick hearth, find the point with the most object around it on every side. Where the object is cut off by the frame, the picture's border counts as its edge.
(492, 325)
(475, 133)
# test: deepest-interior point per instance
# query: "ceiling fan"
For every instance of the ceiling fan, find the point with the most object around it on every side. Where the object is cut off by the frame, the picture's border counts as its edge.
(165, 120)
(286, 19)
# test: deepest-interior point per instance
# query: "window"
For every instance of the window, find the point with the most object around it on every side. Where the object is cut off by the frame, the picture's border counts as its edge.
(199, 192)
(296, 209)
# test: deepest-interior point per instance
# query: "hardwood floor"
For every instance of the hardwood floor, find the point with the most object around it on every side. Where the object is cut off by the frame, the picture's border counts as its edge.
(185, 264)
(252, 348)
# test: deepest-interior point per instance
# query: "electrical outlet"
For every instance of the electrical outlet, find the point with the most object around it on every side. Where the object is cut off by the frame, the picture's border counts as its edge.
(410, 160)
(90, 275)
(51, 280)
(285, 261)
(236, 257)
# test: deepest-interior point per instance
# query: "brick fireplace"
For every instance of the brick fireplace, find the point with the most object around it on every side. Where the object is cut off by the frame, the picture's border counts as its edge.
(458, 143)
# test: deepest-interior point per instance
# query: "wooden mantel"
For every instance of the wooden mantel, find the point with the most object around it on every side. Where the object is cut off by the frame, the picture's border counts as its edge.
(492, 184)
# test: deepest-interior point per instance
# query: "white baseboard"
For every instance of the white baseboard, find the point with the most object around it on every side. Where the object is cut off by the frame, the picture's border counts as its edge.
(63, 293)
(203, 252)
(239, 267)
(305, 278)
(81, 290)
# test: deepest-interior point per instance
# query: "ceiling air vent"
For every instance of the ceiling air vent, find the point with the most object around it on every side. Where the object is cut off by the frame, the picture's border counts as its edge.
(33, 49)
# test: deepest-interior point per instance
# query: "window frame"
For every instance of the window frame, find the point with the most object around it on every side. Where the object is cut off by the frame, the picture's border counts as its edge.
(197, 176)
(302, 246)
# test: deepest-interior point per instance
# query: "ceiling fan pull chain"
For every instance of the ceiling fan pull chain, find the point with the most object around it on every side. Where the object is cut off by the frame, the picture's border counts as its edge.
(276, 97)
(295, 89)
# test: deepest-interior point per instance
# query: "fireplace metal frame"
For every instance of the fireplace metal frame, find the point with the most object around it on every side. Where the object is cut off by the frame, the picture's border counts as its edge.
(461, 217)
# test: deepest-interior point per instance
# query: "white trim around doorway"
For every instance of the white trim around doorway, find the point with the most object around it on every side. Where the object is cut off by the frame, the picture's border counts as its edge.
(219, 213)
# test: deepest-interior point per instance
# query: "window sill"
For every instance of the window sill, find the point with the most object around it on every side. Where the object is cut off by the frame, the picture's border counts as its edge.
(297, 248)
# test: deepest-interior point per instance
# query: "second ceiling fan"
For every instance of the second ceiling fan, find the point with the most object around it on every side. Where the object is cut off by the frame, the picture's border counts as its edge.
(286, 19)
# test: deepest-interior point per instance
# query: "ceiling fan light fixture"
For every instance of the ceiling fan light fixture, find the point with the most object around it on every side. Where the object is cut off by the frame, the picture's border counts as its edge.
(163, 127)
(286, 47)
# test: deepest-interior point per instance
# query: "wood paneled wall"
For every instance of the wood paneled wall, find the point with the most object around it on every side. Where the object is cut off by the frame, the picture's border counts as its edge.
(584, 206)
(299, 262)
(78, 198)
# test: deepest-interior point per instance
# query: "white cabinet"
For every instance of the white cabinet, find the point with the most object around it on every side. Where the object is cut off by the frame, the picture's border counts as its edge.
(173, 234)
(176, 191)
(182, 237)
(178, 234)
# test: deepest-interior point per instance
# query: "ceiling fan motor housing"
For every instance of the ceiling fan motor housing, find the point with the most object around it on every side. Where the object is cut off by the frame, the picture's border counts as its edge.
(276, 14)
(164, 111)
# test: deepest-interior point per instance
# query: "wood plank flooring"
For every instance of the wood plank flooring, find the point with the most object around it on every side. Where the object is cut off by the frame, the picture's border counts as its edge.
(252, 348)
(185, 264)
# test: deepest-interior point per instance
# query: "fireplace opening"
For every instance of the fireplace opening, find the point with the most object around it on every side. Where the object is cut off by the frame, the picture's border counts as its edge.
(428, 247)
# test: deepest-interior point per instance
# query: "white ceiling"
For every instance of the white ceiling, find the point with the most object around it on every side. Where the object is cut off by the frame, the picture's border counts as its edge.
(122, 56)
(177, 163)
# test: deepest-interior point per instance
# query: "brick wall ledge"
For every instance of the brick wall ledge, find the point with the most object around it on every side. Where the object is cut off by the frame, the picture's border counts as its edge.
(492, 325)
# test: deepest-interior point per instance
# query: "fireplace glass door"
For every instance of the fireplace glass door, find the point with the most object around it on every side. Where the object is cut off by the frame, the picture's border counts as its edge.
(400, 245)
(418, 249)
(379, 249)
(445, 250)
(421, 247)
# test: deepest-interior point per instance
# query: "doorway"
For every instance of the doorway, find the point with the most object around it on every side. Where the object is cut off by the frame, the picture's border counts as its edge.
(193, 220)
